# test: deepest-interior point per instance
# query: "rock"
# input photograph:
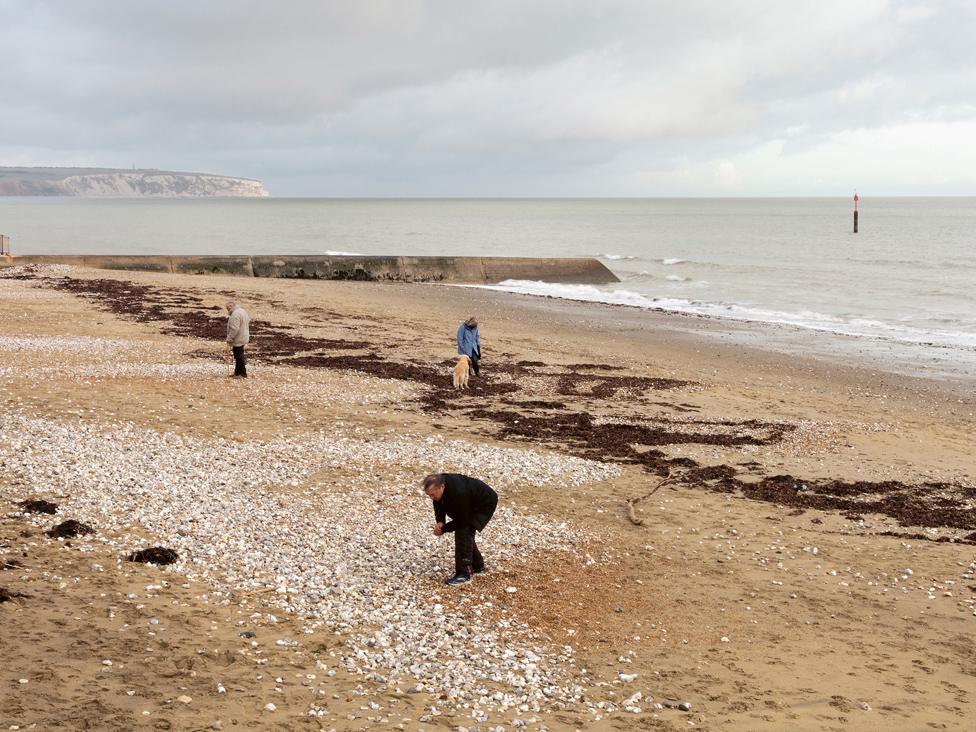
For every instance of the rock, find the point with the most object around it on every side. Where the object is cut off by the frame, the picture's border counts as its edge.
(627, 678)
(270, 707)
(183, 699)
(672, 704)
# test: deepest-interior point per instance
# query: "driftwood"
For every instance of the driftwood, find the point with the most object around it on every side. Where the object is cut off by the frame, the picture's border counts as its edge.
(632, 502)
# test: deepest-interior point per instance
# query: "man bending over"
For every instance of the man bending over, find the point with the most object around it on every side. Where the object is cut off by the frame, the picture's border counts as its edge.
(470, 504)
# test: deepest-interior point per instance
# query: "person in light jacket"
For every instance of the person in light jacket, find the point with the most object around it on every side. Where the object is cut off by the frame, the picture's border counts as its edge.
(470, 503)
(469, 342)
(238, 335)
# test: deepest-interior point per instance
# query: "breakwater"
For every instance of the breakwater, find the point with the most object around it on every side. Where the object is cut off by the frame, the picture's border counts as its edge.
(471, 270)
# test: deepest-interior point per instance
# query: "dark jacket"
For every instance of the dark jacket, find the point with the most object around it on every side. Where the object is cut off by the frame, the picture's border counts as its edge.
(468, 501)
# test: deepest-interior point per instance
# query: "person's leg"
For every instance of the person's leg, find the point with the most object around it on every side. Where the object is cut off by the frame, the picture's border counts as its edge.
(474, 365)
(463, 549)
(240, 365)
(477, 561)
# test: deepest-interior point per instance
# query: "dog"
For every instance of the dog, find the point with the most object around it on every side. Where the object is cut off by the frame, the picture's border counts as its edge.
(461, 372)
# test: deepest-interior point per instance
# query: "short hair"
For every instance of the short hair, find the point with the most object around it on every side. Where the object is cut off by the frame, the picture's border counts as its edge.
(434, 479)
(230, 302)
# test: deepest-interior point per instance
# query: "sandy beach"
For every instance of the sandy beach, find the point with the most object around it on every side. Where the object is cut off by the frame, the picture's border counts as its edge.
(694, 532)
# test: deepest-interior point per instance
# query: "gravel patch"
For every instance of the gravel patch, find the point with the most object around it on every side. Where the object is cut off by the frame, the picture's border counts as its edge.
(267, 384)
(57, 344)
(33, 270)
(333, 528)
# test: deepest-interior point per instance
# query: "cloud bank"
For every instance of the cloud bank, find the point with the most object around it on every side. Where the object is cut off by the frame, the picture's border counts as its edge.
(419, 98)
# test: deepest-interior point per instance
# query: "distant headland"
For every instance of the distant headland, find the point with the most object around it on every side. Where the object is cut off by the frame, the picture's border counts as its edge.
(124, 183)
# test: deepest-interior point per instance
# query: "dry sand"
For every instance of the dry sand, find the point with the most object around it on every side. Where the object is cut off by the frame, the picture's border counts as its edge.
(762, 614)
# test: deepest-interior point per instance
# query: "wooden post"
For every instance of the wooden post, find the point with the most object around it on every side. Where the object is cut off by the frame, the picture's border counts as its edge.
(855, 212)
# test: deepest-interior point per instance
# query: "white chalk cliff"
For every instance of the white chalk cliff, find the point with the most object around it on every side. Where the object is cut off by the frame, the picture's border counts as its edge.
(105, 183)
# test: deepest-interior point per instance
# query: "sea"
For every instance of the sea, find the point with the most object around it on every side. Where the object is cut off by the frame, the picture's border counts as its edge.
(908, 277)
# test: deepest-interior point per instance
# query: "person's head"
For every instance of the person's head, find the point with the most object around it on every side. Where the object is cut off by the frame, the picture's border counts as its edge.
(471, 322)
(231, 305)
(434, 486)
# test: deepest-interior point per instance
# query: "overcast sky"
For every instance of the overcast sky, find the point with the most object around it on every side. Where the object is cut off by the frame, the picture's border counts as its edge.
(498, 98)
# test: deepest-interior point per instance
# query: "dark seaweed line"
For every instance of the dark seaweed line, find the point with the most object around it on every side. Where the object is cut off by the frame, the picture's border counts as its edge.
(181, 313)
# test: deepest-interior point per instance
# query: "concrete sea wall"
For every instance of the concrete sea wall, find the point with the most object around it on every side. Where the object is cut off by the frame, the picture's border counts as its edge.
(470, 270)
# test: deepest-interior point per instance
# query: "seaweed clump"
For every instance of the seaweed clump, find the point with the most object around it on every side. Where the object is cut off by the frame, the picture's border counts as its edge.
(154, 555)
(70, 529)
(38, 505)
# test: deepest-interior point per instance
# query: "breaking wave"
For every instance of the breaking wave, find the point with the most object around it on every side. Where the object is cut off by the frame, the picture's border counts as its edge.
(811, 320)
(617, 257)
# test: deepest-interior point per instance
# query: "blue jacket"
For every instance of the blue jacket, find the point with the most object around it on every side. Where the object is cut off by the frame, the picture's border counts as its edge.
(469, 341)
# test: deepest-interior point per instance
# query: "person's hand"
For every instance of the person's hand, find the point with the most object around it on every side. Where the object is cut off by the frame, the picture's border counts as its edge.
(438, 529)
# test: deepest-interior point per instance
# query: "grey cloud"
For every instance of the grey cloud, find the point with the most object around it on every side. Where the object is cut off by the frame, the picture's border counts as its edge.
(417, 97)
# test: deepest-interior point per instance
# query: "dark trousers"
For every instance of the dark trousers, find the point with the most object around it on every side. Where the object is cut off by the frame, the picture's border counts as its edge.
(240, 365)
(467, 558)
(475, 358)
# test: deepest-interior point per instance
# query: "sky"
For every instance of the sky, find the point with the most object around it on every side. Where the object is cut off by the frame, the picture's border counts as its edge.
(502, 98)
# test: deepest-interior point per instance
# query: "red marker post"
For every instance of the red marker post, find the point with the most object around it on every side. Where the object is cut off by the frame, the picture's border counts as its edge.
(855, 212)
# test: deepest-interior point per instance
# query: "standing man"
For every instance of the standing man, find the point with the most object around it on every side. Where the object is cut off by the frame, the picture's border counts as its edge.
(471, 504)
(238, 334)
(469, 342)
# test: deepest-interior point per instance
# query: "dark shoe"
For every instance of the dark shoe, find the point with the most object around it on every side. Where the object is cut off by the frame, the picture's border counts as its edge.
(479, 570)
(458, 579)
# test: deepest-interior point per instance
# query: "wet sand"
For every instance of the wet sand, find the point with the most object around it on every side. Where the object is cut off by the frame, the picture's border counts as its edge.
(751, 558)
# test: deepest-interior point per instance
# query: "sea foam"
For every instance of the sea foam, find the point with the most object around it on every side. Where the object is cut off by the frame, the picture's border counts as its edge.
(807, 319)
(616, 257)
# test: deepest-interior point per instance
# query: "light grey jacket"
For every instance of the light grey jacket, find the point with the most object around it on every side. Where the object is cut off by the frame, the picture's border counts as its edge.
(238, 327)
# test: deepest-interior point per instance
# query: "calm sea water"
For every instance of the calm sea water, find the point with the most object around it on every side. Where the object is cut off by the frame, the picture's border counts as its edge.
(909, 276)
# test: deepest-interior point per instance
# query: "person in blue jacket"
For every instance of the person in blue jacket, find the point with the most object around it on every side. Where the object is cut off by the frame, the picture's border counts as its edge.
(469, 342)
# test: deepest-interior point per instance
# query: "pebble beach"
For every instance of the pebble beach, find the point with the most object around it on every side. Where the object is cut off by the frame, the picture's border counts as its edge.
(691, 533)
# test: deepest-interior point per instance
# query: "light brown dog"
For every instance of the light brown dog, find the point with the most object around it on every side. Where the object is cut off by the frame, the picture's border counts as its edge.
(461, 372)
